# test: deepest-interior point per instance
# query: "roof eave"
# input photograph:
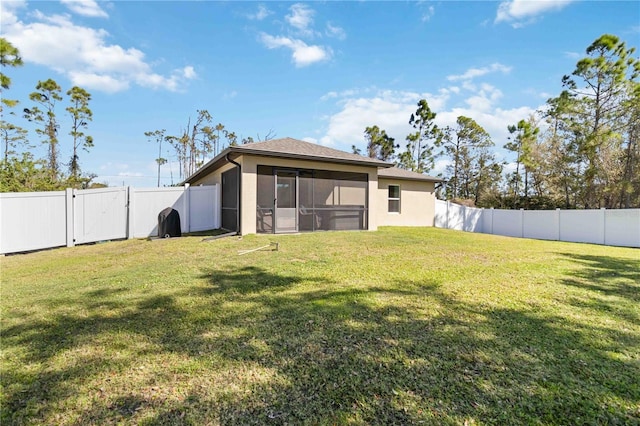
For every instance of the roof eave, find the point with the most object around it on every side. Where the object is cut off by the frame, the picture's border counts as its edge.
(426, 178)
(236, 151)
(312, 158)
(436, 180)
(209, 166)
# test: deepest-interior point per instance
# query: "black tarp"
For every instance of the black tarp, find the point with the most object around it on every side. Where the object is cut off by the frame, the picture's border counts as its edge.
(169, 223)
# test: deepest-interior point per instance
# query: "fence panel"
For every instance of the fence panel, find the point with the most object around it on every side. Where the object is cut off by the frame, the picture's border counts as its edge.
(610, 227)
(39, 220)
(507, 222)
(32, 221)
(582, 226)
(99, 214)
(473, 219)
(622, 227)
(540, 224)
(456, 216)
(486, 220)
(204, 213)
(440, 214)
(149, 202)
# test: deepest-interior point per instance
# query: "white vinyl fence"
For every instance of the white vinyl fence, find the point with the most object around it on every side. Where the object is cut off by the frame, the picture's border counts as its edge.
(608, 227)
(39, 220)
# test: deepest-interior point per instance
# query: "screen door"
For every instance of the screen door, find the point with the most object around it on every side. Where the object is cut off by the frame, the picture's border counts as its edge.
(286, 201)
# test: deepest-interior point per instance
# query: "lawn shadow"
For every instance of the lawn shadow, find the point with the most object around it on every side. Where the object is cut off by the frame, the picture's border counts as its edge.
(612, 285)
(154, 324)
(338, 354)
(248, 279)
(341, 357)
(609, 275)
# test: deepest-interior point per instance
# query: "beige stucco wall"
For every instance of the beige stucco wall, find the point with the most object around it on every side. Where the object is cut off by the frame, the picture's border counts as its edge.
(249, 184)
(417, 203)
(215, 177)
(417, 198)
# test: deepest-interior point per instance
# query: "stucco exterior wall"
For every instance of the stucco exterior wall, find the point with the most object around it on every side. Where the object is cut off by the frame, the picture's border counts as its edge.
(417, 203)
(215, 177)
(249, 184)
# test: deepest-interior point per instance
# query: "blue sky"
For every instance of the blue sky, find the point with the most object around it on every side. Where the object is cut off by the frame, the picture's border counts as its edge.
(318, 71)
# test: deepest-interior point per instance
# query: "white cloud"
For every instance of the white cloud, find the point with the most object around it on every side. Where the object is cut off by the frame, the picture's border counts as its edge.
(390, 110)
(83, 54)
(494, 120)
(536, 94)
(88, 8)
(261, 14)
(301, 18)
(472, 73)
(189, 73)
(572, 55)
(343, 94)
(8, 12)
(509, 168)
(426, 16)
(302, 53)
(335, 31)
(522, 12)
(440, 166)
(131, 174)
(230, 95)
(105, 82)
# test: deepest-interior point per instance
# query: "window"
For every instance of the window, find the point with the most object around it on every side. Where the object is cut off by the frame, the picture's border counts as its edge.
(394, 198)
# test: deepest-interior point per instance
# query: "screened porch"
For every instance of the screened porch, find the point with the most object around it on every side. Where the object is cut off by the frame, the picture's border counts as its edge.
(304, 200)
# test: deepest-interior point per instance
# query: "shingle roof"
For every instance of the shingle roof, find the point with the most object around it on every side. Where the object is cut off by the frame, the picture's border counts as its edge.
(396, 173)
(287, 148)
(294, 148)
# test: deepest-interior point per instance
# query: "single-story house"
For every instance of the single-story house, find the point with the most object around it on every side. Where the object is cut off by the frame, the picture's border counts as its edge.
(288, 185)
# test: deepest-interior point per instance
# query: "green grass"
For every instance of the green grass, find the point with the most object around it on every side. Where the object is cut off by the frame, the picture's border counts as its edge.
(399, 326)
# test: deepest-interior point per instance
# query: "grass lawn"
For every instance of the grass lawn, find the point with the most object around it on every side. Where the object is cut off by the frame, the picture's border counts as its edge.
(399, 326)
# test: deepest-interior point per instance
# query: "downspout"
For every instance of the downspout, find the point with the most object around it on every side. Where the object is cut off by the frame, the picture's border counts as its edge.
(238, 222)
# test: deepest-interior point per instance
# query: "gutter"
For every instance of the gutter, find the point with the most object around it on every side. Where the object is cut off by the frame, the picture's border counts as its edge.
(238, 221)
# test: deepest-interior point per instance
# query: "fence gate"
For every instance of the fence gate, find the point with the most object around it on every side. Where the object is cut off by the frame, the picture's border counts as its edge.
(99, 214)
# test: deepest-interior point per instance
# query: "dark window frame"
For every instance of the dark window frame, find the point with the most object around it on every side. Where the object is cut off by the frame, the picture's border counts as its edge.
(395, 201)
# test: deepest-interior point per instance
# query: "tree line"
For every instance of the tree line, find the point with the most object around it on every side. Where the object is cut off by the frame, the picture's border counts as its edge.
(19, 169)
(580, 151)
(196, 142)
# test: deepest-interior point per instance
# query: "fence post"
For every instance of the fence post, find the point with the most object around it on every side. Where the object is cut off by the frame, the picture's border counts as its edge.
(69, 196)
(130, 212)
(604, 225)
(558, 215)
(187, 202)
(446, 217)
(492, 212)
(521, 223)
(218, 205)
(464, 218)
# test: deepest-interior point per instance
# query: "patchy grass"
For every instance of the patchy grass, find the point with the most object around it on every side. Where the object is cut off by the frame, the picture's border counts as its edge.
(399, 326)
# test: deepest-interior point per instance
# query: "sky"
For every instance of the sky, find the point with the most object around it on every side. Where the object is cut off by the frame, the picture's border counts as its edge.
(316, 71)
